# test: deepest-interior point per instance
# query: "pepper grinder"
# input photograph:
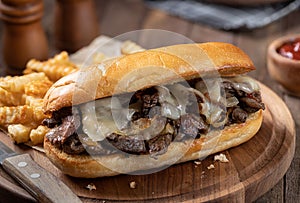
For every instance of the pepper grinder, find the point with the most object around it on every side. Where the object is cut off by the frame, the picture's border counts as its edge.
(23, 36)
(76, 24)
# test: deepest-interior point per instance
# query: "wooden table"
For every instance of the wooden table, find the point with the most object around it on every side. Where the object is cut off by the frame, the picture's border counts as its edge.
(117, 17)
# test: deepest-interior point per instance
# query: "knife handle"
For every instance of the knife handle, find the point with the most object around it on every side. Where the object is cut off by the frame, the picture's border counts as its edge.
(44, 186)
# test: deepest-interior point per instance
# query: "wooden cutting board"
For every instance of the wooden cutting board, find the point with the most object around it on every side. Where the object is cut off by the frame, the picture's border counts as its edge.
(253, 168)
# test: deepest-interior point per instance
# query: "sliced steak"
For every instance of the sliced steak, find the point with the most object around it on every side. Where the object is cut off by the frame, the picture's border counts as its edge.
(127, 143)
(229, 90)
(51, 122)
(159, 144)
(192, 125)
(58, 116)
(61, 133)
(149, 100)
(250, 104)
(238, 115)
(73, 145)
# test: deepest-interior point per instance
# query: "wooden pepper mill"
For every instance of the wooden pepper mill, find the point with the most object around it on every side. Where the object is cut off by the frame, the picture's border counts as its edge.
(76, 24)
(23, 36)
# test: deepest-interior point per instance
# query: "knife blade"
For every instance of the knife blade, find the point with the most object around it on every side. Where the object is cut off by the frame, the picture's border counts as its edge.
(41, 184)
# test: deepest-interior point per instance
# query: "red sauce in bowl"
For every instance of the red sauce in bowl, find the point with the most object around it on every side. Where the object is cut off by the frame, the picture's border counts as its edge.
(291, 49)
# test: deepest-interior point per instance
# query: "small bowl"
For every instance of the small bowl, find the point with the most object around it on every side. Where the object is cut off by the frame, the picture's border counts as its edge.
(284, 70)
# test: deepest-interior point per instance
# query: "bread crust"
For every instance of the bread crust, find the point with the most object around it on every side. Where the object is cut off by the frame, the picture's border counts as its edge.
(160, 66)
(86, 166)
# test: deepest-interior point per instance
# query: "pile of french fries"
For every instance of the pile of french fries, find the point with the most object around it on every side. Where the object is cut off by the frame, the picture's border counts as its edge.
(21, 98)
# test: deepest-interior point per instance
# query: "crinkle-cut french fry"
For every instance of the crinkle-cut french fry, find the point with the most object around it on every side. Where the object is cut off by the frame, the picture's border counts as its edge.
(3, 79)
(37, 88)
(37, 105)
(61, 57)
(17, 83)
(16, 114)
(129, 47)
(19, 133)
(32, 101)
(37, 135)
(10, 99)
(54, 68)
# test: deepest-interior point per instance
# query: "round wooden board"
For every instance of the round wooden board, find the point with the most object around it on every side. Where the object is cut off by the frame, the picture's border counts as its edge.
(253, 168)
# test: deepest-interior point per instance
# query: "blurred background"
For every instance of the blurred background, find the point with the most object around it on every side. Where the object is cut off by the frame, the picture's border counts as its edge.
(240, 22)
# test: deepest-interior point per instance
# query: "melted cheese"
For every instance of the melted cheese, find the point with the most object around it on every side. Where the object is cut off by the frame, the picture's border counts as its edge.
(244, 83)
(105, 116)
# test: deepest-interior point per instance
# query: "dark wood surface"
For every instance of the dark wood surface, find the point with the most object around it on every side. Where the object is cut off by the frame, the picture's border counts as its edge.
(117, 17)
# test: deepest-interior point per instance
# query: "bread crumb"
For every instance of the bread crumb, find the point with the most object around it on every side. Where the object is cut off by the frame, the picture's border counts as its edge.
(132, 184)
(211, 166)
(197, 162)
(221, 157)
(202, 174)
(91, 187)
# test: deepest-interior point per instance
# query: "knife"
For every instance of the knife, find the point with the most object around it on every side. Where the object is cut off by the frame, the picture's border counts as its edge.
(41, 184)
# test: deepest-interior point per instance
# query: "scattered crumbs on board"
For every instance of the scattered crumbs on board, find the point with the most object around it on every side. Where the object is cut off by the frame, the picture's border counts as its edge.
(91, 187)
(197, 162)
(221, 157)
(211, 166)
(132, 184)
